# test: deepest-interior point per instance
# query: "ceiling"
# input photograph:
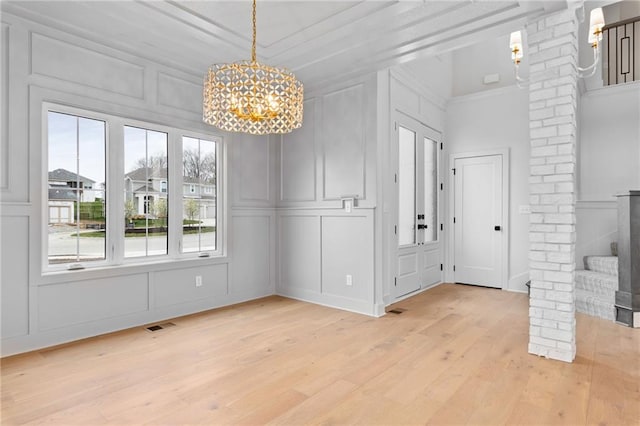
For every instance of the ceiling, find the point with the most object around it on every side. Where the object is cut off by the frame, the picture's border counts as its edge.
(320, 41)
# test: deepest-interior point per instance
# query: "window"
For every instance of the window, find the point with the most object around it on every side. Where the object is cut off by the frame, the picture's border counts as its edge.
(430, 190)
(406, 186)
(162, 189)
(145, 162)
(76, 213)
(199, 161)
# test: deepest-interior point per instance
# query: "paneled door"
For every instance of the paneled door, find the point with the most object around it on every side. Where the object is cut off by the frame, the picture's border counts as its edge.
(418, 188)
(478, 227)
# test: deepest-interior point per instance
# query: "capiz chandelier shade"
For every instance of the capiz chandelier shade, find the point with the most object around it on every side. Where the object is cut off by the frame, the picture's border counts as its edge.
(251, 97)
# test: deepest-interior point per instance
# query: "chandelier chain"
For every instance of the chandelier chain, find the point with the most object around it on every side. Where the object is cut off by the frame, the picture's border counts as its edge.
(253, 45)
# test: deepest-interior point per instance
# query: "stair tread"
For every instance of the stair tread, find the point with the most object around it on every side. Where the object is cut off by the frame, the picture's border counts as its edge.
(603, 264)
(604, 296)
(593, 276)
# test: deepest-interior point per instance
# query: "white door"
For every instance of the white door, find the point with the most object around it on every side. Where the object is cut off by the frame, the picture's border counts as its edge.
(478, 221)
(417, 230)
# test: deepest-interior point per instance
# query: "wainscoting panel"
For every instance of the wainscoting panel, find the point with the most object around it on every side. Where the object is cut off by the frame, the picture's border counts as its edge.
(347, 249)
(181, 94)
(299, 248)
(252, 162)
(432, 260)
(14, 273)
(318, 248)
(252, 248)
(80, 302)
(179, 285)
(407, 264)
(80, 65)
(298, 159)
(343, 141)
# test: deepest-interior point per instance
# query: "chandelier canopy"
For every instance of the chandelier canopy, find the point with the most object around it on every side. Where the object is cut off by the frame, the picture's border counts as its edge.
(250, 97)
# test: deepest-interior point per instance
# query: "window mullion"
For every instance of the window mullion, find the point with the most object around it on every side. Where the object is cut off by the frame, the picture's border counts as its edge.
(174, 193)
(115, 190)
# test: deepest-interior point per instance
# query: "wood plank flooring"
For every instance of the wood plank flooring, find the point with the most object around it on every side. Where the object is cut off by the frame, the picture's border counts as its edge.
(457, 355)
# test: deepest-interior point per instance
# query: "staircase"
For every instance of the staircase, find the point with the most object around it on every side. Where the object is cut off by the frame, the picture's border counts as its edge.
(596, 287)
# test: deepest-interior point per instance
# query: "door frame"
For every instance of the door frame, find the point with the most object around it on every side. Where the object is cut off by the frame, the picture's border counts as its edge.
(504, 152)
(397, 116)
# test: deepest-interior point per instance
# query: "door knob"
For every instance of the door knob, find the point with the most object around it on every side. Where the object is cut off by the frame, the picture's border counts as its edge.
(421, 226)
(497, 228)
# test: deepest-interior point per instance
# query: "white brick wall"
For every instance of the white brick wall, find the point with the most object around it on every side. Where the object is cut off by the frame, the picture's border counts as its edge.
(552, 123)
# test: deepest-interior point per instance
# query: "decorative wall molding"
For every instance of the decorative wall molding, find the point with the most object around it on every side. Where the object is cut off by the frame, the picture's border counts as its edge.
(417, 86)
(489, 93)
(344, 143)
(298, 154)
(65, 61)
(179, 93)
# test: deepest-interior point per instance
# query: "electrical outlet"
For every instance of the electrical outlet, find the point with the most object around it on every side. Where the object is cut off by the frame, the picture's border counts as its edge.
(349, 280)
(198, 280)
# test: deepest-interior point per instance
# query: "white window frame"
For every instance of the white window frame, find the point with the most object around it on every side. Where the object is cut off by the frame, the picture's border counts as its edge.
(114, 171)
(218, 192)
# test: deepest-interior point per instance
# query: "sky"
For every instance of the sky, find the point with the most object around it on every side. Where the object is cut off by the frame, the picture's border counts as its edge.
(78, 145)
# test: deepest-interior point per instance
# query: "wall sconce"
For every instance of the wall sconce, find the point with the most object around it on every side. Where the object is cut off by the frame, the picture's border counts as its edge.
(517, 52)
(596, 24)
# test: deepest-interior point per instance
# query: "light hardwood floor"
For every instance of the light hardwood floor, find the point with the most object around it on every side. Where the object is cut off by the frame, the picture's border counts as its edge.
(457, 355)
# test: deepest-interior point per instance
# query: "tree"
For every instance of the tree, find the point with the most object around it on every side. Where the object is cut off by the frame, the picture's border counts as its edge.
(160, 210)
(156, 162)
(129, 210)
(191, 209)
(198, 166)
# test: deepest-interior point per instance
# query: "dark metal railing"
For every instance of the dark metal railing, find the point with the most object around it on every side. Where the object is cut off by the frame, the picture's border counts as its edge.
(621, 52)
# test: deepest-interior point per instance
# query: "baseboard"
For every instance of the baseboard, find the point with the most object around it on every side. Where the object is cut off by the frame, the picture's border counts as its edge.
(330, 301)
(421, 290)
(518, 282)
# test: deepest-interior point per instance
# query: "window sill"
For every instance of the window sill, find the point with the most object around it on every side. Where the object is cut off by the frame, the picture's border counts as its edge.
(109, 271)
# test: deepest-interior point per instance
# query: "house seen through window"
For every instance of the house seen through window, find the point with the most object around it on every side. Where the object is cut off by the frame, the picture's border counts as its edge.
(76, 196)
(81, 179)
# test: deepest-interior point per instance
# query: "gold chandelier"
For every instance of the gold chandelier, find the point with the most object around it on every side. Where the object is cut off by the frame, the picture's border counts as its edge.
(251, 97)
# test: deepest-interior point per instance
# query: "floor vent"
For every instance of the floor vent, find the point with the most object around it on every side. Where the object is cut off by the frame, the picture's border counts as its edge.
(160, 326)
(396, 311)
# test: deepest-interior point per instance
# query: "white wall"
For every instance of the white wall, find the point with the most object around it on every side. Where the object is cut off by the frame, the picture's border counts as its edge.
(42, 64)
(419, 89)
(488, 57)
(491, 120)
(608, 163)
(331, 157)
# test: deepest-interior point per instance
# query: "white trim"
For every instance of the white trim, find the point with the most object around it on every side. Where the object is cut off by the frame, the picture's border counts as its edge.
(597, 204)
(409, 80)
(114, 166)
(401, 117)
(517, 281)
(612, 89)
(504, 152)
(489, 93)
(414, 293)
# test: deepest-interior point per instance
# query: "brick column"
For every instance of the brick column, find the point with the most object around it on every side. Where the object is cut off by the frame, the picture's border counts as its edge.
(553, 58)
